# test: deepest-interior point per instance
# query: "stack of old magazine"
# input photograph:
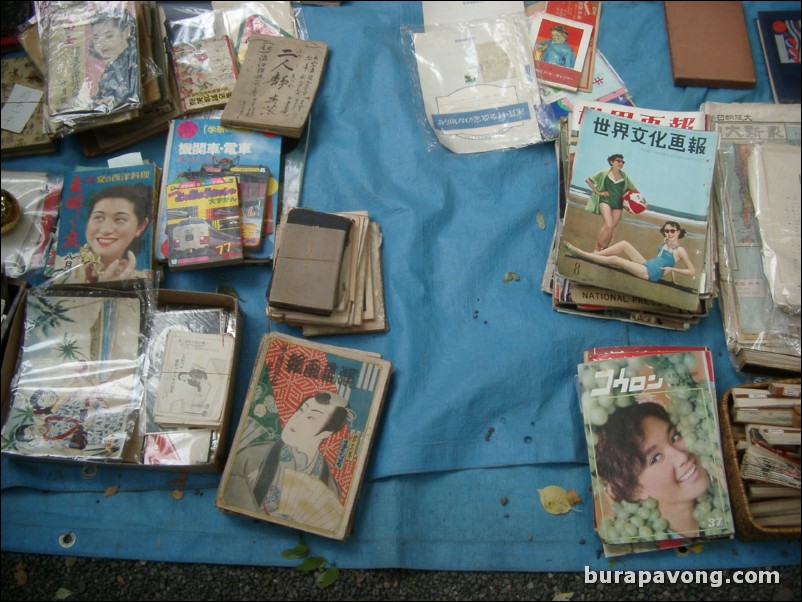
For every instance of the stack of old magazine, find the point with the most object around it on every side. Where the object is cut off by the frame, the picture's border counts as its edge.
(666, 161)
(327, 273)
(654, 448)
(757, 204)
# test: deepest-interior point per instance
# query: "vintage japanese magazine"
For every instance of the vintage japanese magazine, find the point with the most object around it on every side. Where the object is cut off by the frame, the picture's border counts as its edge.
(657, 252)
(654, 447)
(304, 437)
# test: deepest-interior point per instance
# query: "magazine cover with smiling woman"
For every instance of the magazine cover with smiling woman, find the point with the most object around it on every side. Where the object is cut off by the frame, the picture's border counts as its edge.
(654, 450)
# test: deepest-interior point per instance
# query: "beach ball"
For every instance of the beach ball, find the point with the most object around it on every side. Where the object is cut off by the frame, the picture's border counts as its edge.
(634, 201)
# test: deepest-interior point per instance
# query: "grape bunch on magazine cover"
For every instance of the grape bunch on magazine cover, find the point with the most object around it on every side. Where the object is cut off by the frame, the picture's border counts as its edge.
(305, 434)
(654, 449)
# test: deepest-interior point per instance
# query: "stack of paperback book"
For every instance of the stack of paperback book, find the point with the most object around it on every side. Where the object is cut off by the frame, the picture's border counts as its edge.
(766, 425)
(654, 449)
(219, 196)
(327, 273)
(633, 239)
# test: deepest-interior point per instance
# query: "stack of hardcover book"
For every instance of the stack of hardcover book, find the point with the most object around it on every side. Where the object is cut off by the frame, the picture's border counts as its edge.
(327, 273)
(652, 431)
(632, 239)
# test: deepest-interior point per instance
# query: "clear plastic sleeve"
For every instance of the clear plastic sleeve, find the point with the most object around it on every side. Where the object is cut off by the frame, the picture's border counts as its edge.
(38, 195)
(475, 84)
(92, 56)
(77, 392)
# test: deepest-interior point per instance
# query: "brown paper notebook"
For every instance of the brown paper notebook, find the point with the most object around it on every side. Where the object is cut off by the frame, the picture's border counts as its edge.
(306, 270)
(709, 45)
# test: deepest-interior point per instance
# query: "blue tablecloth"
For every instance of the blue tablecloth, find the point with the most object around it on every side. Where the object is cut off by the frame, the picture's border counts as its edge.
(471, 351)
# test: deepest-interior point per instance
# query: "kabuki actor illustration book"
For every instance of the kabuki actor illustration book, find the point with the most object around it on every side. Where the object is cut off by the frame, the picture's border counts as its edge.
(654, 448)
(77, 393)
(636, 217)
(303, 441)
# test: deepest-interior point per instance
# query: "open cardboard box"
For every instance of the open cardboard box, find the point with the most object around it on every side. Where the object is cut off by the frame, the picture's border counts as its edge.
(166, 297)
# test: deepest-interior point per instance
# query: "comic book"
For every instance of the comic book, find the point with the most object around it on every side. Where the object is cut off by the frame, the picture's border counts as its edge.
(304, 437)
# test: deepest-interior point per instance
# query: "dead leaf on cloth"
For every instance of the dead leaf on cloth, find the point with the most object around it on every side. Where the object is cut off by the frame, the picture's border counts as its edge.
(20, 574)
(110, 491)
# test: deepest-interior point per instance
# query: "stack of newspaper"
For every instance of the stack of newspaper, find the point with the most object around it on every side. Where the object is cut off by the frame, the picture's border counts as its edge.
(633, 239)
(757, 200)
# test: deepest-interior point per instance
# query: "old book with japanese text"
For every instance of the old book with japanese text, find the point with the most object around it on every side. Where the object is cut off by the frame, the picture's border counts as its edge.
(304, 438)
(277, 85)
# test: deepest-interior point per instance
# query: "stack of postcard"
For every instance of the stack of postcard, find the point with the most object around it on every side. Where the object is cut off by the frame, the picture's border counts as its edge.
(654, 447)
(633, 243)
(189, 380)
(757, 214)
(305, 435)
(327, 274)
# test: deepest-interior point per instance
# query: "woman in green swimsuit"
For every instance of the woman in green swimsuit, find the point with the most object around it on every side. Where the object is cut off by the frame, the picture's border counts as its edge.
(608, 186)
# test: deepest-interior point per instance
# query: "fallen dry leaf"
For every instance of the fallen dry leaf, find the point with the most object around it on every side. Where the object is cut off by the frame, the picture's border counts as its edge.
(510, 276)
(63, 593)
(554, 499)
(541, 221)
(20, 574)
(110, 491)
(69, 561)
(563, 596)
(120, 580)
(176, 494)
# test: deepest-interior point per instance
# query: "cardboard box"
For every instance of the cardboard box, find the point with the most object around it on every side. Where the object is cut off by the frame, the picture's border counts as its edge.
(166, 297)
(213, 300)
(12, 329)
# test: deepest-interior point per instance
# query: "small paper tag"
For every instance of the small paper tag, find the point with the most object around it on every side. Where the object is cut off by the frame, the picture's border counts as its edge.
(19, 107)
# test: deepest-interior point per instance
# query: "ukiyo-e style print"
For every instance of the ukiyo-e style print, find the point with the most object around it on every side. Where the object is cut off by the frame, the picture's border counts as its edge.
(304, 436)
(77, 392)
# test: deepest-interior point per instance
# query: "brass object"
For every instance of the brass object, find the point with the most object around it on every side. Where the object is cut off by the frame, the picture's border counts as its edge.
(11, 212)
